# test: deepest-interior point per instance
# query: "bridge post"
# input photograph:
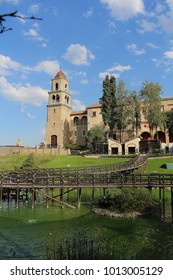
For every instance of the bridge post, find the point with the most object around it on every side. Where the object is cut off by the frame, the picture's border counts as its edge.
(52, 194)
(79, 191)
(17, 191)
(62, 191)
(93, 188)
(33, 194)
(1, 190)
(160, 195)
(47, 191)
(163, 202)
(172, 203)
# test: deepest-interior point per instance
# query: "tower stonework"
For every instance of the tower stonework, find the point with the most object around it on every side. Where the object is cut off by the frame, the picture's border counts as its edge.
(58, 113)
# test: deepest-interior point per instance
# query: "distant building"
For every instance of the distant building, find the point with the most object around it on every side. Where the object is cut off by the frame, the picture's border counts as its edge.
(64, 126)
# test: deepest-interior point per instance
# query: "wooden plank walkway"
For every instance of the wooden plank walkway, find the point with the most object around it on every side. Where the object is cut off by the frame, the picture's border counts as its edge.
(106, 180)
(120, 175)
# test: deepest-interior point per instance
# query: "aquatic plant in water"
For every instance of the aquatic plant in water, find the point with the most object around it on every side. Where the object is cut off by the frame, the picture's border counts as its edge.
(88, 246)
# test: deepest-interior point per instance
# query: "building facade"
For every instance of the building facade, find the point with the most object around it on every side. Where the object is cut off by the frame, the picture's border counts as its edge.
(65, 127)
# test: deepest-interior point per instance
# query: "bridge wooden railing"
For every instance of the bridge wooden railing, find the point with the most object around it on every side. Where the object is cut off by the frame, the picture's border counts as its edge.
(27, 175)
(98, 180)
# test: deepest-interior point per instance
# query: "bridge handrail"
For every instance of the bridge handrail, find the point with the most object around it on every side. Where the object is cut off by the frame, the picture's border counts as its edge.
(136, 162)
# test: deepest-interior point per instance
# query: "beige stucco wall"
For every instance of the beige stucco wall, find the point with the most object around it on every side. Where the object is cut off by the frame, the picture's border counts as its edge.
(94, 116)
(132, 143)
(58, 123)
(30, 150)
(114, 144)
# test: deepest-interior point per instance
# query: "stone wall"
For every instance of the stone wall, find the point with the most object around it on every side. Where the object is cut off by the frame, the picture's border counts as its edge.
(28, 150)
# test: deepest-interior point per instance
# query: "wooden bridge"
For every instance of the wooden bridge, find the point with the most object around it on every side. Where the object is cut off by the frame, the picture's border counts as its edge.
(44, 181)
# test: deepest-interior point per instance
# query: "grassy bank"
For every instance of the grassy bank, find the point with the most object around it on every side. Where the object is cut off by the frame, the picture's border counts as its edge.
(156, 165)
(15, 161)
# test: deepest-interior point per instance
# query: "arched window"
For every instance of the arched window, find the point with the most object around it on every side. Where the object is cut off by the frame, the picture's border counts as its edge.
(56, 86)
(57, 98)
(76, 121)
(54, 141)
(84, 120)
(53, 97)
(66, 99)
(65, 86)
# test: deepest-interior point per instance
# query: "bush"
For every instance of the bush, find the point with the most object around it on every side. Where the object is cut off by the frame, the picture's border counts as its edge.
(126, 200)
(30, 162)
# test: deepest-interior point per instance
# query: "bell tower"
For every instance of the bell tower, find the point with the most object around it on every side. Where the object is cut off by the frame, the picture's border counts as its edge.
(58, 113)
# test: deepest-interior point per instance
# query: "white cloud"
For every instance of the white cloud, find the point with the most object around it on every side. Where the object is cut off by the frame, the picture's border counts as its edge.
(112, 71)
(166, 19)
(24, 110)
(7, 65)
(44, 45)
(152, 46)
(112, 26)
(169, 54)
(147, 26)
(84, 82)
(47, 66)
(77, 105)
(34, 8)
(157, 62)
(119, 68)
(134, 48)
(82, 74)
(33, 34)
(31, 116)
(124, 9)
(78, 55)
(75, 92)
(26, 94)
(159, 8)
(88, 13)
(102, 75)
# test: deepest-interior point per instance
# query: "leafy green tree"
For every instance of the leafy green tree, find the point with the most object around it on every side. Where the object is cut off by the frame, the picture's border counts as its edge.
(96, 134)
(134, 111)
(108, 102)
(122, 108)
(150, 94)
(169, 122)
(96, 140)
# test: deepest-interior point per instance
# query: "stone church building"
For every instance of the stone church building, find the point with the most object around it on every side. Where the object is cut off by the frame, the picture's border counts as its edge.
(64, 126)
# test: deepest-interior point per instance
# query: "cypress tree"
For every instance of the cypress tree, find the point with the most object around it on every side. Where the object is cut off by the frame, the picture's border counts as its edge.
(108, 102)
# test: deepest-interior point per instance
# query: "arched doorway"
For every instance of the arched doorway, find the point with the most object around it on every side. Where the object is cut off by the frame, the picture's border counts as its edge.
(160, 135)
(145, 135)
(54, 141)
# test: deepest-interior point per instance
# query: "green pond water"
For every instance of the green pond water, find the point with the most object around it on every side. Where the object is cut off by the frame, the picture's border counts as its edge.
(27, 233)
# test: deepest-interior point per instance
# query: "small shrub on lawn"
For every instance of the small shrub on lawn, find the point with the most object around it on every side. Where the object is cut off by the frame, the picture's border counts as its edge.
(30, 162)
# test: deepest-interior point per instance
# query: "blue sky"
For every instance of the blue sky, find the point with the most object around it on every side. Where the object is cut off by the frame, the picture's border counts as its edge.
(131, 39)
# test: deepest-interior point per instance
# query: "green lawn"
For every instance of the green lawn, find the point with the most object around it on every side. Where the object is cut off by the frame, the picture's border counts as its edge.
(155, 165)
(15, 161)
